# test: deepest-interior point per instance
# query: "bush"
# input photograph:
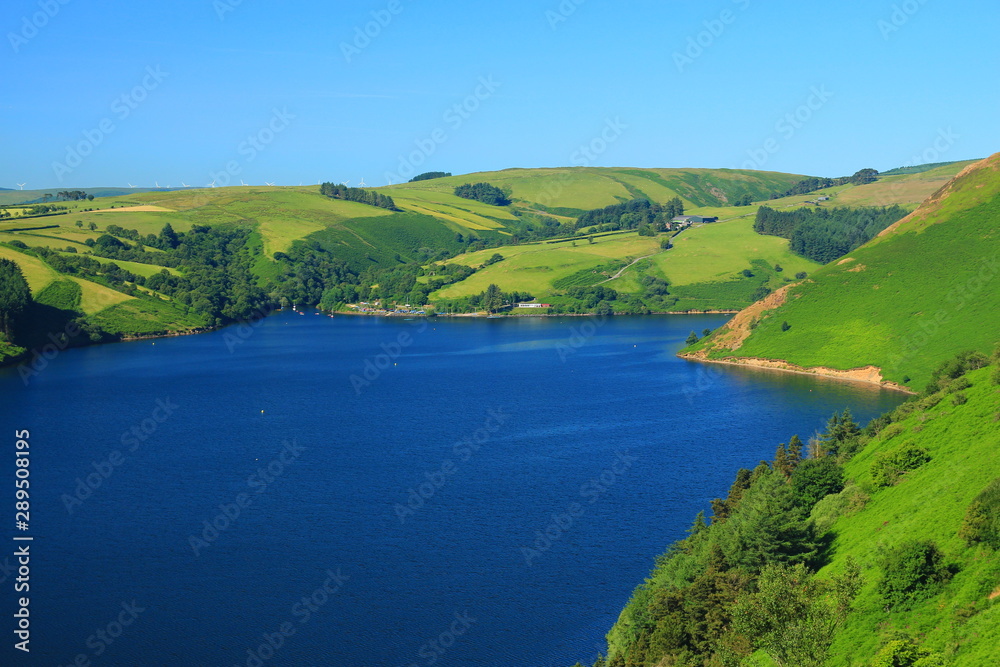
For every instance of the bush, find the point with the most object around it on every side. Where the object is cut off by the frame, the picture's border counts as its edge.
(981, 524)
(815, 479)
(785, 326)
(18, 244)
(484, 192)
(905, 653)
(995, 377)
(959, 399)
(913, 570)
(801, 275)
(888, 467)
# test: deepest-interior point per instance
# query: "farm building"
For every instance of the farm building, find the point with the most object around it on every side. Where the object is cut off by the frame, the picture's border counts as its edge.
(693, 219)
(534, 305)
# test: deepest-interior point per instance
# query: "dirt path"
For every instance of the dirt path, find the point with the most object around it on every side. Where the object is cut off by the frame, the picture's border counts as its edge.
(625, 268)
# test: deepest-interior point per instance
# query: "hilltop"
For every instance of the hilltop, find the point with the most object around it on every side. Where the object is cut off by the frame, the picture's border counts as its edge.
(896, 307)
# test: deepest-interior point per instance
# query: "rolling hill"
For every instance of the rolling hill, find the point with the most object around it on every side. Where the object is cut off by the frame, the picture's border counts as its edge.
(897, 306)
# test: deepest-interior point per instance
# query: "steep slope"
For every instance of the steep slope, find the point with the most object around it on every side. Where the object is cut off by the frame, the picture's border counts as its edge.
(899, 523)
(897, 306)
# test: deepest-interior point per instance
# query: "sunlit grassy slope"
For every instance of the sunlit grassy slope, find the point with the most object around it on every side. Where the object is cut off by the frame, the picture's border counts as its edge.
(901, 301)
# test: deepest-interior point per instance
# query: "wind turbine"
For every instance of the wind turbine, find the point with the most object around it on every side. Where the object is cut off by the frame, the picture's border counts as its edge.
(21, 185)
(242, 183)
(184, 185)
(157, 184)
(345, 183)
(266, 183)
(362, 184)
(211, 185)
(131, 186)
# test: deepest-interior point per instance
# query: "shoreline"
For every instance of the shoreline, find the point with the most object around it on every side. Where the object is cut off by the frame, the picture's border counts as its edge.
(864, 374)
(29, 358)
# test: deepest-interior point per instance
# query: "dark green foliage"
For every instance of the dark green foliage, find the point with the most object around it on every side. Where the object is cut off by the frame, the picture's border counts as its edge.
(692, 338)
(824, 235)
(959, 399)
(955, 368)
(814, 479)
(801, 275)
(841, 430)
(746, 273)
(430, 175)
(15, 297)
(493, 299)
(981, 524)
(496, 257)
(785, 326)
(360, 195)
(792, 616)
(770, 527)
(18, 244)
(808, 185)
(889, 467)
(484, 192)
(635, 214)
(913, 570)
(743, 200)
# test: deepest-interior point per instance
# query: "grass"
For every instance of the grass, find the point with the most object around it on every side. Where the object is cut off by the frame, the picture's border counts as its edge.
(36, 272)
(717, 251)
(929, 504)
(537, 267)
(903, 302)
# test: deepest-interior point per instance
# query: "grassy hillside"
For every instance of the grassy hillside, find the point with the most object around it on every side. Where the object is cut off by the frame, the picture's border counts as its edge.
(881, 552)
(573, 190)
(900, 302)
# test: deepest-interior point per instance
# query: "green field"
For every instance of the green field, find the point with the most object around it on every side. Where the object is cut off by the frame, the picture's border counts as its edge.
(534, 268)
(903, 300)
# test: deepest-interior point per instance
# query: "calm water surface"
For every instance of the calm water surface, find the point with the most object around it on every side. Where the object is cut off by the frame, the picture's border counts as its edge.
(487, 492)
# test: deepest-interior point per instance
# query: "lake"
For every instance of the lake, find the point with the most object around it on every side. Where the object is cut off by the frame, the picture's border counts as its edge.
(377, 491)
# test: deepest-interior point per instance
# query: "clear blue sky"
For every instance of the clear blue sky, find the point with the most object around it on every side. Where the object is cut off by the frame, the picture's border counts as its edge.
(923, 75)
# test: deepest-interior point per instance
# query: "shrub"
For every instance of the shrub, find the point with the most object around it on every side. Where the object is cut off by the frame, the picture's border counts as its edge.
(982, 519)
(815, 479)
(801, 275)
(889, 466)
(785, 326)
(905, 653)
(995, 377)
(959, 399)
(913, 570)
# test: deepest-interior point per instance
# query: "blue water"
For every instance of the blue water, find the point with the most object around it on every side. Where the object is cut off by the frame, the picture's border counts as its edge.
(594, 433)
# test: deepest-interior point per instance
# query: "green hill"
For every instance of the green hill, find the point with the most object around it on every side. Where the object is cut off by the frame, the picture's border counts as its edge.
(881, 552)
(898, 305)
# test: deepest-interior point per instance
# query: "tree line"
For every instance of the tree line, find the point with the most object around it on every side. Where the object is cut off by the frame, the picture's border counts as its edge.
(484, 192)
(634, 214)
(430, 175)
(360, 195)
(824, 235)
(807, 185)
